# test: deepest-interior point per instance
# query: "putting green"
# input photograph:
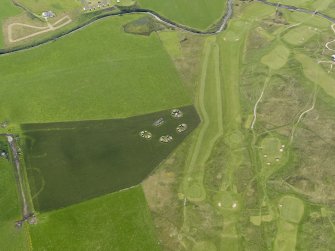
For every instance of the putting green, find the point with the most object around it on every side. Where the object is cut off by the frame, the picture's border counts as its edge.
(286, 238)
(224, 200)
(316, 74)
(291, 209)
(300, 35)
(272, 149)
(276, 58)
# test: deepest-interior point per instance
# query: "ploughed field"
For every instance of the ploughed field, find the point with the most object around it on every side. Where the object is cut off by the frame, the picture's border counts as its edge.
(75, 161)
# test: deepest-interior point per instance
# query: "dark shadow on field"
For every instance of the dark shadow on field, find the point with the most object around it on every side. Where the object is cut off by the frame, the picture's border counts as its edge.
(82, 160)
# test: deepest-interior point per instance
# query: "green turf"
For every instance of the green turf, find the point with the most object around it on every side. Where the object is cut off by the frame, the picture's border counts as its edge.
(171, 42)
(118, 222)
(316, 74)
(204, 245)
(276, 58)
(273, 154)
(209, 104)
(310, 20)
(300, 35)
(319, 5)
(7, 9)
(99, 72)
(291, 209)
(10, 211)
(198, 14)
(57, 6)
(70, 162)
(286, 238)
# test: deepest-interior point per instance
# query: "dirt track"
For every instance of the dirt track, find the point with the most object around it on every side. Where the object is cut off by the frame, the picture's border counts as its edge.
(26, 209)
(43, 29)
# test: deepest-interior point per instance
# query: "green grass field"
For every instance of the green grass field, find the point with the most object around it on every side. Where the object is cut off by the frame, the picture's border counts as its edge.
(10, 237)
(171, 42)
(276, 58)
(7, 9)
(300, 35)
(71, 162)
(291, 209)
(320, 5)
(119, 221)
(209, 104)
(316, 74)
(199, 14)
(99, 72)
(57, 6)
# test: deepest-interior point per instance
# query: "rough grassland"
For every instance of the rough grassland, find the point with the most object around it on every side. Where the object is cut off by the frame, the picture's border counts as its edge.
(198, 14)
(7, 9)
(118, 222)
(10, 237)
(71, 162)
(99, 72)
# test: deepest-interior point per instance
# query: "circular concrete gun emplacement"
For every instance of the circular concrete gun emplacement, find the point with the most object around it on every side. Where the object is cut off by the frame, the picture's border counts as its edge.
(146, 134)
(165, 139)
(176, 113)
(181, 128)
